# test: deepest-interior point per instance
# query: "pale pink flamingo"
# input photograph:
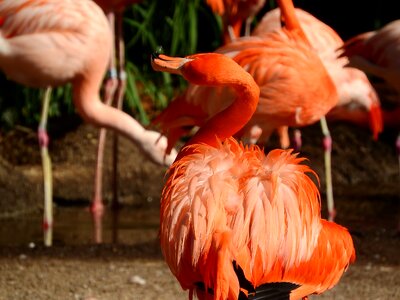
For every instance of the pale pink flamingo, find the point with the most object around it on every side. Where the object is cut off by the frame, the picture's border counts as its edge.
(296, 90)
(236, 223)
(355, 92)
(378, 54)
(45, 43)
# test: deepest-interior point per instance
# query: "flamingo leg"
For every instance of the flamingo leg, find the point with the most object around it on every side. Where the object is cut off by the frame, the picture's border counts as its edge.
(327, 143)
(119, 98)
(97, 207)
(47, 175)
(283, 133)
(297, 140)
(247, 28)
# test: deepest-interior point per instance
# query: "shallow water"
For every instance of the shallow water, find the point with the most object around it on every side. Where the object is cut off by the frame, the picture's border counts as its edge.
(139, 225)
(73, 226)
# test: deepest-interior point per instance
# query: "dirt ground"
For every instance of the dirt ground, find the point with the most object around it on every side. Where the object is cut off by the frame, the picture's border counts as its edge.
(366, 188)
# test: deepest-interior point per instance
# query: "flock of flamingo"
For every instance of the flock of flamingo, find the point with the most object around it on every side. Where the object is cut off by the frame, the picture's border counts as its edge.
(235, 223)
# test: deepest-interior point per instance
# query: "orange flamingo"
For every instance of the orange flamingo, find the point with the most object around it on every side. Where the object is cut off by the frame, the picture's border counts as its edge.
(234, 13)
(296, 89)
(236, 224)
(49, 43)
(355, 92)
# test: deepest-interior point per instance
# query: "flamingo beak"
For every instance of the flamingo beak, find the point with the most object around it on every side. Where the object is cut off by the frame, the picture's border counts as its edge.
(375, 120)
(164, 63)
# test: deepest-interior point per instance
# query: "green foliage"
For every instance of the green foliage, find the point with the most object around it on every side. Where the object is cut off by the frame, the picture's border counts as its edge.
(149, 25)
(171, 26)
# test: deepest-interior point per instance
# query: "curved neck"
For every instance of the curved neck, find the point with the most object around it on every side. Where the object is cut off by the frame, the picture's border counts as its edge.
(229, 121)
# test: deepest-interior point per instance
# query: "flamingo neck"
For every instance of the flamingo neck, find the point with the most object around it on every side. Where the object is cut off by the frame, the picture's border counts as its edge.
(288, 14)
(229, 121)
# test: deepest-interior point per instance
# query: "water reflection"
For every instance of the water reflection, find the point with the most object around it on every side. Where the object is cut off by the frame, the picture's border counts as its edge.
(73, 226)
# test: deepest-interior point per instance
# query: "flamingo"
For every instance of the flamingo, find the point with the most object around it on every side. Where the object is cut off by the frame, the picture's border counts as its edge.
(233, 14)
(47, 43)
(355, 92)
(377, 53)
(296, 90)
(236, 223)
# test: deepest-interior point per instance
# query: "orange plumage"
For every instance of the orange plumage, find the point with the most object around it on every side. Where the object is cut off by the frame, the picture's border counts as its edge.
(234, 222)
(356, 96)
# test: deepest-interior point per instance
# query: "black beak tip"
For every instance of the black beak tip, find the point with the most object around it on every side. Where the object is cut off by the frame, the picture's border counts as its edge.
(154, 55)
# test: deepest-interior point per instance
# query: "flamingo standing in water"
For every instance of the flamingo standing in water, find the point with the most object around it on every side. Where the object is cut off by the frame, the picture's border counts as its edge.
(47, 43)
(296, 89)
(236, 224)
(355, 92)
(378, 54)
(234, 13)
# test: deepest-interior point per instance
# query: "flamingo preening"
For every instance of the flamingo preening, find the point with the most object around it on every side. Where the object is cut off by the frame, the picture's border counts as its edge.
(47, 43)
(355, 92)
(378, 54)
(236, 223)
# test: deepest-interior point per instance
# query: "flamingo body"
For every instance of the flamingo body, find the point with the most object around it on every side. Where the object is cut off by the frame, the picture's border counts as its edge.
(234, 222)
(377, 53)
(355, 93)
(31, 31)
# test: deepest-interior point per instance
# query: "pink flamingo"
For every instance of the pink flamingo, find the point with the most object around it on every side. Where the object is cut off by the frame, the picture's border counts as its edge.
(296, 90)
(355, 92)
(236, 223)
(47, 43)
(377, 53)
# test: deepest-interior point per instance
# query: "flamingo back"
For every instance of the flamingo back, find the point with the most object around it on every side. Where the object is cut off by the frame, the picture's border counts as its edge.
(232, 205)
(37, 37)
(240, 194)
(356, 95)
